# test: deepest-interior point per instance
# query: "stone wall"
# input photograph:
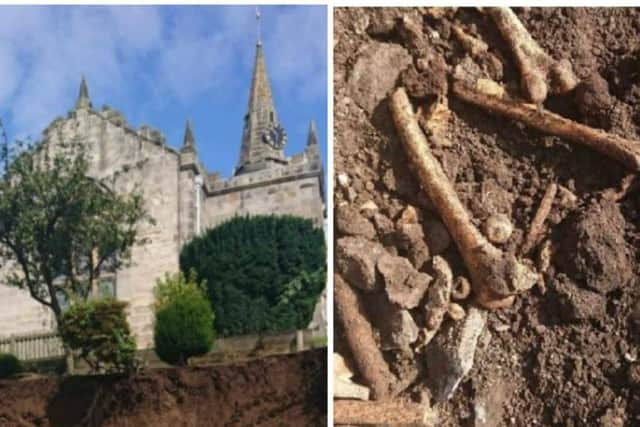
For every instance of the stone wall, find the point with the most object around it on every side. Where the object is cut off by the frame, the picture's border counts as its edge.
(294, 189)
(141, 159)
(144, 162)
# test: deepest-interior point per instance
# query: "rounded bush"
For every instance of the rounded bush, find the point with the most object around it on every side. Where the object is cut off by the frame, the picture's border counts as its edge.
(264, 273)
(9, 365)
(184, 328)
(99, 331)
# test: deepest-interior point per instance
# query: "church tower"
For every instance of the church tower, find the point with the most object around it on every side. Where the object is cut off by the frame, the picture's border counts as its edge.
(263, 138)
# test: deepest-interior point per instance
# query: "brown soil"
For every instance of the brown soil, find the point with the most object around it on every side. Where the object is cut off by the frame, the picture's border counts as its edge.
(274, 391)
(565, 353)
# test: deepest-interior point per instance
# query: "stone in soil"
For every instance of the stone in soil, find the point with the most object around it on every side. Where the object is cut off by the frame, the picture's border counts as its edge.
(451, 353)
(410, 238)
(356, 259)
(593, 250)
(350, 221)
(375, 73)
(436, 236)
(404, 331)
(578, 303)
(405, 286)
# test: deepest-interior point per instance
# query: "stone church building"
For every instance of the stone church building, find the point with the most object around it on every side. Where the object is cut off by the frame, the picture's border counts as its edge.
(180, 194)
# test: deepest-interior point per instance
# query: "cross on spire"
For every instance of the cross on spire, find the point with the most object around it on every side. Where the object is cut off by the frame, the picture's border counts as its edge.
(259, 41)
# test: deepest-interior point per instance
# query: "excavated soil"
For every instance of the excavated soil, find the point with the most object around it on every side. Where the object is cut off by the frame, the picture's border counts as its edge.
(274, 391)
(566, 352)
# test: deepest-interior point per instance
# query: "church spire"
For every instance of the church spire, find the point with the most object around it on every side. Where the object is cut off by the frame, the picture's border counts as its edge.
(263, 138)
(260, 98)
(312, 137)
(189, 142)
(83, 97)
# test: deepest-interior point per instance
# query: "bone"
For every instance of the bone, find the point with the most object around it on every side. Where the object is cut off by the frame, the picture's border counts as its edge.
(455, 311)
(540, 74)
(341, 368)
(629, 185)
(498, 228)
(469, 43)
(434, 119)
(461, 288)
(496, 277)
(393, 412)
(621, 149)
(439, 293)
(359, 333)
(535, 229)
(344, 388)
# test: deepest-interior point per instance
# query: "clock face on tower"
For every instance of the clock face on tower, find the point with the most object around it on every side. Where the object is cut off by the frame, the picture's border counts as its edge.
(275, 136)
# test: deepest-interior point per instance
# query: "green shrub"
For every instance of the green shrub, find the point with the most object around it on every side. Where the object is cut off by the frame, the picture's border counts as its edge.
(99, 331)
(175, 285)
(9, 365)
(184, 319)
(264, 273)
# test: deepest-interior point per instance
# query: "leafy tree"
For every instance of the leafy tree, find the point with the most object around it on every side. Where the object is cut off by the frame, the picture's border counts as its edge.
(99, 330)
(184, 319)
(263, 273)
(59, 228)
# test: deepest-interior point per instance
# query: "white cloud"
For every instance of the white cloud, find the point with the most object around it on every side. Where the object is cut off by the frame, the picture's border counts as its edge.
(174, 54)
(300, 56)
(10, 70)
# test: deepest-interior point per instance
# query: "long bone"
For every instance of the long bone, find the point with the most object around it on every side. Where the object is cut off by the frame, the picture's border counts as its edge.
(495, 276)
(540, 73)
(616, 147)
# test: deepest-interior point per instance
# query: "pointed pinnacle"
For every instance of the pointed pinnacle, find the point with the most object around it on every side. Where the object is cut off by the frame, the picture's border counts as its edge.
(189, 140)
(83, 97)
(312, 138)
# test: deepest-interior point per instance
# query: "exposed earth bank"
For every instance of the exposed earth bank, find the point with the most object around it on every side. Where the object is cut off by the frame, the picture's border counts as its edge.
(274, 391)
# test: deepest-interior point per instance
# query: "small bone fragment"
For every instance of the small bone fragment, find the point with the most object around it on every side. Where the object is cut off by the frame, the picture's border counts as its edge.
(630, 183)
(346, 389)
(434, 119)
(623, 150)
(495, 276)
(368, 206)
(544, 256)
(341, 368)
(498, 228)
(566, 198)
(541, 74)
(409, 216)
(392, 412)
(490, 87)
(455, 311)
(366, 354)
(535, 229)
(461, 288)
(439, 293)
(471, 44)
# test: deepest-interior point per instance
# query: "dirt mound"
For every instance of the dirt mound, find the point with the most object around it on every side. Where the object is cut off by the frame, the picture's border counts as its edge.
(282, 390)
(566, 352)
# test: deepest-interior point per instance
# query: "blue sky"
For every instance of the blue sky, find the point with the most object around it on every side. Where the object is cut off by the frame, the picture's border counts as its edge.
(160, 65)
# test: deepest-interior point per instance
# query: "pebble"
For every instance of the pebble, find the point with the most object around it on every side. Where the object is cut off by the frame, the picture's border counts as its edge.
(343, 180)
(498, 228)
